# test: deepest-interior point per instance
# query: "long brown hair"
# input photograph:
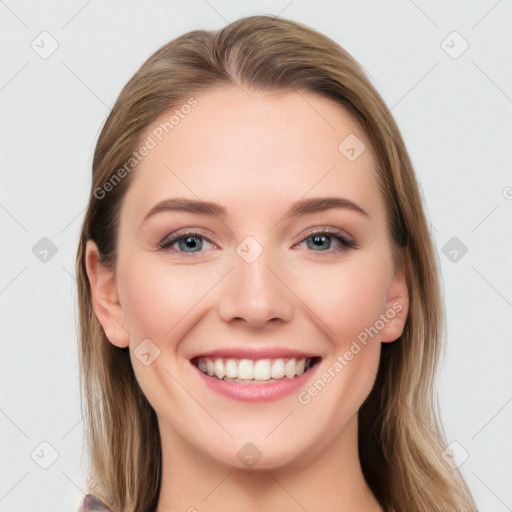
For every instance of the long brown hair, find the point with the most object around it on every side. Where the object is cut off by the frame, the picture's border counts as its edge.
(400, 436)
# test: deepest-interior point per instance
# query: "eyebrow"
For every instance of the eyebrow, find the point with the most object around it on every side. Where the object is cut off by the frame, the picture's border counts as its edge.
(301, 207)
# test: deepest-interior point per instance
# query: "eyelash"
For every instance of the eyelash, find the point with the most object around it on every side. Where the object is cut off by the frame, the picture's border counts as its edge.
(345, 242)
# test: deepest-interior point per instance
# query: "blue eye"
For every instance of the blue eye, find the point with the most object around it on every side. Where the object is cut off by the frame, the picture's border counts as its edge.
(192, 242)
(188, 243)
(322, 241)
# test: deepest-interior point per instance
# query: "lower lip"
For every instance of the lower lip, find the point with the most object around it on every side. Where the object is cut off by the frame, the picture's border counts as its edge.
(256, 392)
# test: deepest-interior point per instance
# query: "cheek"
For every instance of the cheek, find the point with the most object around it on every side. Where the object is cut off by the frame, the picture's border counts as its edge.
(347, 298)
(347, 302)
(157, 297)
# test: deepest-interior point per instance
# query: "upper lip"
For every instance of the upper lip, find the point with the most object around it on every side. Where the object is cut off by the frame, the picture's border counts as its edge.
(255, 353)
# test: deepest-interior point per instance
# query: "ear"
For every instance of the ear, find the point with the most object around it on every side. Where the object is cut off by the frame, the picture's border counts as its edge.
(397, 308)
(105, 300)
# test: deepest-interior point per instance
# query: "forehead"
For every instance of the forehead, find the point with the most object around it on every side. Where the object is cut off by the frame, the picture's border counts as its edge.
(252, 149)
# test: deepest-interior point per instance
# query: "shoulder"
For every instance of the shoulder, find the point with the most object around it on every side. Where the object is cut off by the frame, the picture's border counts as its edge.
(92, 503)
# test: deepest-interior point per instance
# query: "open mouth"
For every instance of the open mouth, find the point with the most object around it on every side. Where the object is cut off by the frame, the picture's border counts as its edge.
(254, 371)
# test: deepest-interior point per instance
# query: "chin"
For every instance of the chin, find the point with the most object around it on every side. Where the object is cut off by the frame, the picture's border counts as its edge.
(260, 454)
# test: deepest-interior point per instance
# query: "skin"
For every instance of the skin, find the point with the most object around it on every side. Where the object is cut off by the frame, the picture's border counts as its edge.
(255, 153)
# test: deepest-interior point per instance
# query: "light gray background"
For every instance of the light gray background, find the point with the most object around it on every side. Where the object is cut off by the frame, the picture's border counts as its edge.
(455, 115)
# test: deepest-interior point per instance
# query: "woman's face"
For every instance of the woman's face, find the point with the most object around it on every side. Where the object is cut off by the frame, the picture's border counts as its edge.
(291, 267)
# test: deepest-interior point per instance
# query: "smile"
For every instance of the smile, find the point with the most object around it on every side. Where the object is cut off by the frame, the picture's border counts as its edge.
(249, 370)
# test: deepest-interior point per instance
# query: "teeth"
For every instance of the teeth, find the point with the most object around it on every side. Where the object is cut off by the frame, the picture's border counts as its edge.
(231, 368)
(219, 370)
(260, 370)
(301, 365)
(277, 371)
(289, 368)
(245, 370)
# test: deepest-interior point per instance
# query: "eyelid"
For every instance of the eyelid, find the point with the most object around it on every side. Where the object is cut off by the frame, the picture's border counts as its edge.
(328, 230)
(173, 237)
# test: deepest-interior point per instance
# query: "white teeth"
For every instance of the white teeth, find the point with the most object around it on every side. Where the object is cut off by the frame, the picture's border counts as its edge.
(289, 368)
(247, 369)
(301, 364)
(231, 369)
(261, 370)
(277, 371)
(220, 372)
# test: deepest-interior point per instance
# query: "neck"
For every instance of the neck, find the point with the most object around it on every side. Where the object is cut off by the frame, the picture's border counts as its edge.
(327, 480)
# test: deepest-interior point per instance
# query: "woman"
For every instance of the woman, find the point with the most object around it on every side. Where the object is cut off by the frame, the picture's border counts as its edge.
(260, 311)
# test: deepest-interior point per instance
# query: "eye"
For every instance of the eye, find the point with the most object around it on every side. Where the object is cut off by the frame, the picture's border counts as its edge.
(188, 242)
(322, 241)
(192, 242)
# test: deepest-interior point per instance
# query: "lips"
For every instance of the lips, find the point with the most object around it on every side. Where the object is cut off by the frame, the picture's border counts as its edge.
(299, 369)
(255, 353)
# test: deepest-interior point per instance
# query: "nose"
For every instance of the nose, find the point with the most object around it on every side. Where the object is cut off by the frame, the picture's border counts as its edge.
(255, 294)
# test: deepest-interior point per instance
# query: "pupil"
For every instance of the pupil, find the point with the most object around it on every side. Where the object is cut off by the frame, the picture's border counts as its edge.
(190, 242)
(319, 241)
